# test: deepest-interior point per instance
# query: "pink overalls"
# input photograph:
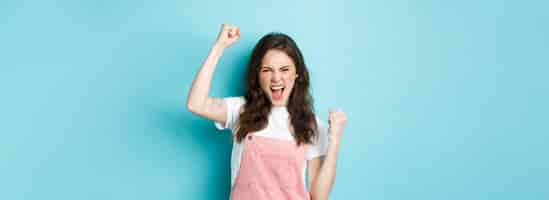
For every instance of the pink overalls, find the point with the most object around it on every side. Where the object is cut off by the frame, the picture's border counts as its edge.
(270, 169)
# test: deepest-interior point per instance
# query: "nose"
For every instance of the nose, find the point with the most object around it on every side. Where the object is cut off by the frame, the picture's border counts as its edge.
(276, 77)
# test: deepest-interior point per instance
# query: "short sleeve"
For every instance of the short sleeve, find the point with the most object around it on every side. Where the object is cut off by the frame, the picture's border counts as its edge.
(234, 105)
(319, 147)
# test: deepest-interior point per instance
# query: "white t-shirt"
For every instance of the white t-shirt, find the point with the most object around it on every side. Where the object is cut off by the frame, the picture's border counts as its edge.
(277, 128)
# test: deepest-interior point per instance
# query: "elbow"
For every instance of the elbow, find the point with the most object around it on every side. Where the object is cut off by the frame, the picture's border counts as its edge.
(192, 107)
(196, 107)
(319, 195)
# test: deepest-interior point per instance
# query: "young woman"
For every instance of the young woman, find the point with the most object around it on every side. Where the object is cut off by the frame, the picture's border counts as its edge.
(277, 137)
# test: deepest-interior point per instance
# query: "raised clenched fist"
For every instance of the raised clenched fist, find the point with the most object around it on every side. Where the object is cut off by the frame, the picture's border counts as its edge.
(227, 35)
(336, 120)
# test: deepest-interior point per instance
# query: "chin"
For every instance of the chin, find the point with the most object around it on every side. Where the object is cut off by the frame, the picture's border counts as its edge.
(278, 103)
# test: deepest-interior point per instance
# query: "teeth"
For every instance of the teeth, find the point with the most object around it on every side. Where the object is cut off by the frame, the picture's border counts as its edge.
(277, 87)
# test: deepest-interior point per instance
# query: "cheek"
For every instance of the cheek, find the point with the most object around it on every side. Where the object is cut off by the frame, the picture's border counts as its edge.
(264, 80)
(265, 76)
(290, 83)
(290, 79)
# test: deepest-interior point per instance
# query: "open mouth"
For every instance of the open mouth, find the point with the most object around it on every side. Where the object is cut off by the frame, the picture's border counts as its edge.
(277, 91)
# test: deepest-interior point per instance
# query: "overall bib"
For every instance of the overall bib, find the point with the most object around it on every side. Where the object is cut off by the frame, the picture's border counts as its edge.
(270, 169)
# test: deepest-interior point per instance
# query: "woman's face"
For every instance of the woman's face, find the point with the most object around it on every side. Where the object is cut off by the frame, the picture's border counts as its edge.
(277, 74)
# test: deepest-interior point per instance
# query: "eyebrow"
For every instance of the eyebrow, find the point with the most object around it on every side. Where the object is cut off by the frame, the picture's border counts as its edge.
(267, 66)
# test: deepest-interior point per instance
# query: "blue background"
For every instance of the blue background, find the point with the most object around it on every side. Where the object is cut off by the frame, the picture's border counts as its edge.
(446, 100)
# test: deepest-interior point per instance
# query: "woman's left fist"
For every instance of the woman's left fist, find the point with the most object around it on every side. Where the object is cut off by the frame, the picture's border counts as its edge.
(336, 120)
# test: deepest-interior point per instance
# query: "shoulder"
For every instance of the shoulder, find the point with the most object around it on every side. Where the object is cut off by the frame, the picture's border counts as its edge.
(235, 102)
(320, 123)
(319, 145)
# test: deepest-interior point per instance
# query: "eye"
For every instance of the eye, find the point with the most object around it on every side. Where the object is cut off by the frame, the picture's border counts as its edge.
(285, 69)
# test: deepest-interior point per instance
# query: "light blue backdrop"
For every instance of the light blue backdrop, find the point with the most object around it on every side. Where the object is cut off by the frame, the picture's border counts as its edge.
(446, 100)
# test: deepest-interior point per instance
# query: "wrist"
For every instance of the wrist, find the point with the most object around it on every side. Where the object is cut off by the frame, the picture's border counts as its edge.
(333, 141)
(218, 46)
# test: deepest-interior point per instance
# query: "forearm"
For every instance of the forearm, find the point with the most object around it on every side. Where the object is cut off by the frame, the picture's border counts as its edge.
(200, 88)
(323, 183)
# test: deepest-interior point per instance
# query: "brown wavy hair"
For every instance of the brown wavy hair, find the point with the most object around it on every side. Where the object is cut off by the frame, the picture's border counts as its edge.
(257, 108)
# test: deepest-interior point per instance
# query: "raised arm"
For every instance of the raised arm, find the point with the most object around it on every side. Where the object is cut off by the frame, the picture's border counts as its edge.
(322, 170)
(198, 100)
